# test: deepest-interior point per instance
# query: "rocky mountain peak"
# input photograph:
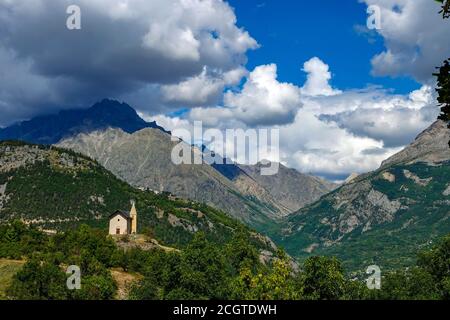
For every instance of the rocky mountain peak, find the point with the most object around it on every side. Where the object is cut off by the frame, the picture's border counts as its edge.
(50, 129)
(431, 146)
(351, 178)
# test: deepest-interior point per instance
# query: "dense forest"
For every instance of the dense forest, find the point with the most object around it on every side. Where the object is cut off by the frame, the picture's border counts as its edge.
(203, 270)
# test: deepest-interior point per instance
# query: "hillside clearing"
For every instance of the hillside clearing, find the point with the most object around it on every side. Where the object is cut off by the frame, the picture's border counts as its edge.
(8, 268)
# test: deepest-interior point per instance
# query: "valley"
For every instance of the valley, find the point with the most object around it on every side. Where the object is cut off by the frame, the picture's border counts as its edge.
(384, 217)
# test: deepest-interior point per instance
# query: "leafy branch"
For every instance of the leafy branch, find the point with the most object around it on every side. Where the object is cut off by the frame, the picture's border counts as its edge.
(443, 76)
(445, 8)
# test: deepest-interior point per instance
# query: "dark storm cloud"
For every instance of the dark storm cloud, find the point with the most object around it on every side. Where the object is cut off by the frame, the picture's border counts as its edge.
(123, 49)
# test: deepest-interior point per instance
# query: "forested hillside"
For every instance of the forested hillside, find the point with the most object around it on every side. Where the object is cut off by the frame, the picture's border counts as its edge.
(58, 189)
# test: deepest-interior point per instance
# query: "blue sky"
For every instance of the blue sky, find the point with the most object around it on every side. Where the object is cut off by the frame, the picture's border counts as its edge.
(292, 32)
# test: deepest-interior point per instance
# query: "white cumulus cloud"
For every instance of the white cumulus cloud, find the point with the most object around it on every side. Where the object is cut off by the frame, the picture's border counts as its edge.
(262, 101)
(415, 36)
(318, 78)
(327, 132)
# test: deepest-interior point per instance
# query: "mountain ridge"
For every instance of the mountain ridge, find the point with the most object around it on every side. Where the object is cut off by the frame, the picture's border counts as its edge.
(143, 160)
(427, 147)
(242, 194)
(139, 153)
(50, 129)
(382, 217)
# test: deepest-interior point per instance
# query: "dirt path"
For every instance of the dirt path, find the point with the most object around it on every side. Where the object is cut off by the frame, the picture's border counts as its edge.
(124, 282)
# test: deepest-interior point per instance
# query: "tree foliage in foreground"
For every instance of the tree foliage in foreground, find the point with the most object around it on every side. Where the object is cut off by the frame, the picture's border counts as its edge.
(443, 90)
(428, 280)
(43, 276)
(203, 270)
(445, 8)
(443, 76)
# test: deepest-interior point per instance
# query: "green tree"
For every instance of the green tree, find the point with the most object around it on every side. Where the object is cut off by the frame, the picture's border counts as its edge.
(322, 278)
(429, 280)
(85, 243)
(411, 284)
(241, 253)
(39, 281)
(273, 283)
(18, 240)
(161, 276)
(203, 269)
(443, 90)
(146, 289)
(96, 287)
(436, 262)
(200, 271)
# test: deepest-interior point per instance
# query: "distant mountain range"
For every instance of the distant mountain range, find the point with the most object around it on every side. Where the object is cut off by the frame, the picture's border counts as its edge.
(383, 217)
(143, 159)
(289, 187)
(51, 129)
(139, 152)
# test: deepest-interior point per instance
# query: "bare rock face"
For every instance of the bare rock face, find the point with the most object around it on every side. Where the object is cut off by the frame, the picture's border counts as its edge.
(351, 178)
(380, 200)
(446, 191)
(423, 182)
(360, 206)
(388, 176)
(143, 159)
(3, 196)
(431, 146)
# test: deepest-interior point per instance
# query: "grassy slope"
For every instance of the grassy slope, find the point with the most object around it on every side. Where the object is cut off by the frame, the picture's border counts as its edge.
(8, 268)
